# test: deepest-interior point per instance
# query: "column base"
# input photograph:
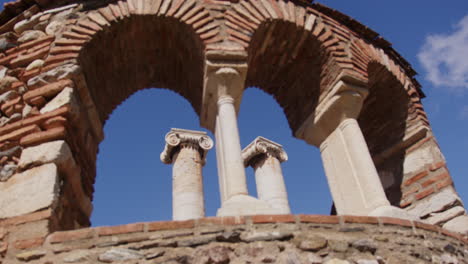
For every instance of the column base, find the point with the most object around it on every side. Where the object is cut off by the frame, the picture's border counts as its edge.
(392, 211)
(245, 205)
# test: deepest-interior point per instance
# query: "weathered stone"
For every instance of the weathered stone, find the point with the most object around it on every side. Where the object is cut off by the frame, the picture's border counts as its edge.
(196, 241)
(5, 83)
(439, 218)
(35, 64)
(215, 254)
(3, 71)
(365, 245)
(448, 259)
(7, 44)
(338, 245)
(34, 189)
(7, 171)
(56, 152)
(311, 258)
(15, 117)
(435, 203)
(26, 24)
(54, 28)
(229, 236)
(77, 256)
(26, 110)
(31, 255)
(30, 35)
(458, 224)
(11, 151)
(257, 235)
(336, 261)
(119, 254)
(8, 96)
(366, 261)
(314, 243)
(65, 71)
(65, 97)
(153, 254)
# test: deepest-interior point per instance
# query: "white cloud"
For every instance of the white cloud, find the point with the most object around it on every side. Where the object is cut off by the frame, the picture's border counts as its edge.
(445, 57)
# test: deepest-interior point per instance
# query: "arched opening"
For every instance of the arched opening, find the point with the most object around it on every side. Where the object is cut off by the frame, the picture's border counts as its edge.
(260, 115)
(132, 184)
(383, 121)
(132, 54)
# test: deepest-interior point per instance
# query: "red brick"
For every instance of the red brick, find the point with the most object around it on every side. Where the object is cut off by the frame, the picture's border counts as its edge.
(59, 237)
(259, 219)
(320, 219)
(416, 178)
(3, 247)
(360, 219)
(122, 229)
(33, 120)
(409, 191)
(27, 218)
(425, 226)
(21, 132)
(55, 133)
(29, 243)
(452, 234)
(435, 179)
(424, 193)
(395, 221)
(437, 166)
(170, 225)
(444, 183)
(49, 89)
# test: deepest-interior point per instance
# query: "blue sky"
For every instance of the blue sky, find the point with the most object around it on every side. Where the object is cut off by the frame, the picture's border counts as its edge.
(132, 184)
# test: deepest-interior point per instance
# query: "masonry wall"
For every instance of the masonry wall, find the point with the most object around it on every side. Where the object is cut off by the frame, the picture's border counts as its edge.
(256, 239)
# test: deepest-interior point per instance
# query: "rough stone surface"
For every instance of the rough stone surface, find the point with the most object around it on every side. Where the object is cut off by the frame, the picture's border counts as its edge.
(7, 171)
(56, 152)
(65, 97)
(438, 218)
(30, 35)
(458, 224)
(32, 190)
(119, 254)
(435, 203)
(30, 255)
(35, 64)
(61, 72)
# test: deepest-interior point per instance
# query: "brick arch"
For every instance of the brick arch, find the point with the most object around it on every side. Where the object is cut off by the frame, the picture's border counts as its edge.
(291, 52)
(154, 44)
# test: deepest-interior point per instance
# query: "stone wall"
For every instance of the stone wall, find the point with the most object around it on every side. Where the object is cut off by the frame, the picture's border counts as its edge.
(301, 239)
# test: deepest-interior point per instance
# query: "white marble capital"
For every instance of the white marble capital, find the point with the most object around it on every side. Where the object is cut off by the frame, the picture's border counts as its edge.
(186, 150)
(266, 156)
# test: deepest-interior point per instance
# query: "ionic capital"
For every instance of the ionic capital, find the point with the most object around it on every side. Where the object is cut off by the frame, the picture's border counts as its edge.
(343, 102)
(225, 73)
(262, 147)
(178, 138)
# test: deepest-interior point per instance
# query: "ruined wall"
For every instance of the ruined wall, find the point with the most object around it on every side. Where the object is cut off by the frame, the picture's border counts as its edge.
(284, 239)
(57, 89)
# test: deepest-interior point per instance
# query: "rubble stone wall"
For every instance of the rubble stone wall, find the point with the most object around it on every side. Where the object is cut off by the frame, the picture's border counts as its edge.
(304, 239)
(65, 65)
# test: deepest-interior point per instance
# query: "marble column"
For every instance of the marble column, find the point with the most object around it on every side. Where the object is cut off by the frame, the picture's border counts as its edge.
(266, 156)
(186, 150)
(353, 179)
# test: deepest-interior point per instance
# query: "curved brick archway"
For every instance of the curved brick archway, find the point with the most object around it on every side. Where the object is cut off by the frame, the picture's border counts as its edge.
(65, 67)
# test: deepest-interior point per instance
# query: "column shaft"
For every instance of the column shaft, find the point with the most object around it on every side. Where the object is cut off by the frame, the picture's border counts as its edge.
(187, 195)
(233, 173)
(270, 184)
(220, 162)
(351, 174)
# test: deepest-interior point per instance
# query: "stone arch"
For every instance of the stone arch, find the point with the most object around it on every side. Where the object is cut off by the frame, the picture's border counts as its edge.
(291, 41)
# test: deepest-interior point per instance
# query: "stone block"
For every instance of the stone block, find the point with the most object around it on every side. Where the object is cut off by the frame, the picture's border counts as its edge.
(59, 153)
(438, 218)
(459, 224)
(418, 159)
(65, 97)
(29, 191)
(245, 205)
(435, 203)
(56, 152)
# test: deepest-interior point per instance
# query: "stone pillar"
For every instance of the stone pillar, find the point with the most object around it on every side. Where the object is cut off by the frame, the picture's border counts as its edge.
(225, 73)
(186, 150)
(353, 179)
(232, 164)
(266, 156)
